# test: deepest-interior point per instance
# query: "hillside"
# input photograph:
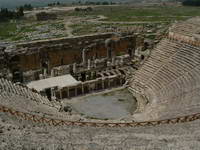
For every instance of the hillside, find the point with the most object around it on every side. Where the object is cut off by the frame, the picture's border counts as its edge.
(16, 3)
(37, 3)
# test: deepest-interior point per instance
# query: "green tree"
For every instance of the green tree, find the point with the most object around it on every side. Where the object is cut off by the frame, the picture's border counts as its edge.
(20, 11)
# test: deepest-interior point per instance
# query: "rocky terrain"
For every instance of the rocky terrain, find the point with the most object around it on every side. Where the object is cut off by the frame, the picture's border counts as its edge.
(18, 134)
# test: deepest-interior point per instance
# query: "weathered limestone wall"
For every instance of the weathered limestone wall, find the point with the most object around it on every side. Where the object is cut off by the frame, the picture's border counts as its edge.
(29, 61)
(52, 53)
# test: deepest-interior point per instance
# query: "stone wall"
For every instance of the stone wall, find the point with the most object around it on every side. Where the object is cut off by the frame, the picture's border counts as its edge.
(64, 51)
(32, 56)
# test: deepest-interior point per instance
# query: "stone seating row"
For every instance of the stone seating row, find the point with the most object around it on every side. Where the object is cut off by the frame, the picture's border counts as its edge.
(14, 89)
(171, 79)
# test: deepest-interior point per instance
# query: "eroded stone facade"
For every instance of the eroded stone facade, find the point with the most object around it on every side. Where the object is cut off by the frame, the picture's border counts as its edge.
(98, 61)
(28, 60)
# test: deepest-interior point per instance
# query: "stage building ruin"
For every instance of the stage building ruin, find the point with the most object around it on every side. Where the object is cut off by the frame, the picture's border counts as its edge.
(95, 62)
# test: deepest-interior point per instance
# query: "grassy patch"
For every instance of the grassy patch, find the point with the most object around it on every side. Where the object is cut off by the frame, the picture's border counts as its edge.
(83, 28)
(58, 26)
(7, 30)
(89, 28)
(27, 29)
(10, 31)
(126, 13)
(22, 29)
(17, 38)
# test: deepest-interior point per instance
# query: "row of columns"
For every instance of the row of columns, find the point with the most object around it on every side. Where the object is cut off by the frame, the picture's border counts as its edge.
(109, 56)
(86, 87)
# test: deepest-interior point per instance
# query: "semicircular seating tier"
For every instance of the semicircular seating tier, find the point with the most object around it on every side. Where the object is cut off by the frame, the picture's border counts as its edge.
(24, 99)
(169, 80)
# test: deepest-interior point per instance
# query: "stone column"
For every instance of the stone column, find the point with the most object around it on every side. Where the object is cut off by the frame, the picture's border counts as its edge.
(89, 64)
(53, 94)
(87, 77)
(52, 73)
(83, 57)
(45, 73)
(74, 68)
(79, 77)
(95, 63)
(108, 83)
(103, 86)
(83, 89)
(41, 76)
(113, 61)
(121, 61)
(89, 88)
(60, 93)
(92, 75)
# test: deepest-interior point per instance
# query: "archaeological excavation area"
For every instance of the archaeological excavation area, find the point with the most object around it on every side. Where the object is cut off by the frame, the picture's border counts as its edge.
(69, 67)
(62, 70)
(100, 89)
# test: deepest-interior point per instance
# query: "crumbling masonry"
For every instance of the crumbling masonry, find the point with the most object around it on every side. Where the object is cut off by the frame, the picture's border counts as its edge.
(97, 62)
